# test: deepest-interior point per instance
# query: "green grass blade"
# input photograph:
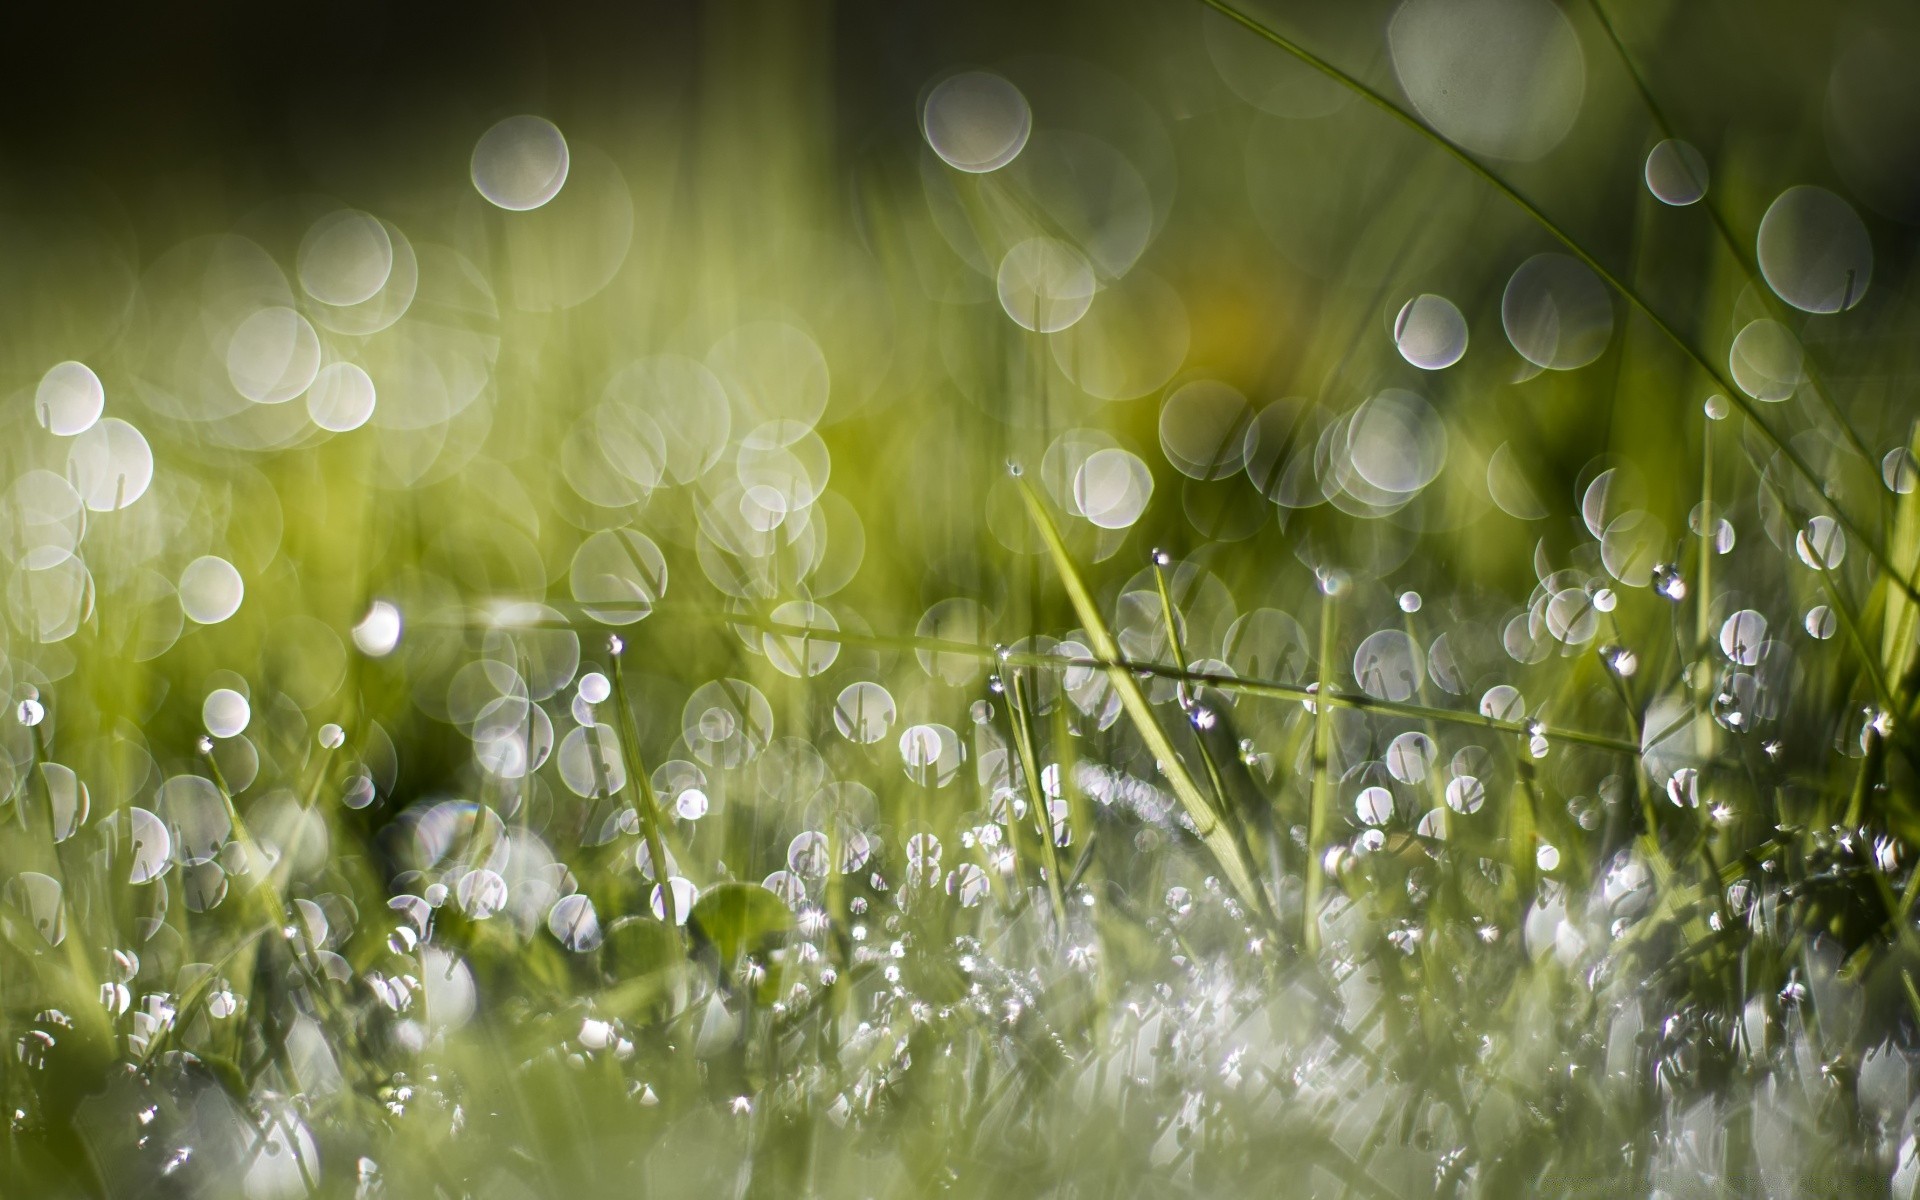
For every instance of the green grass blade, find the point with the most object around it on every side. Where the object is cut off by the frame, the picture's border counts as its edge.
(1207, 820)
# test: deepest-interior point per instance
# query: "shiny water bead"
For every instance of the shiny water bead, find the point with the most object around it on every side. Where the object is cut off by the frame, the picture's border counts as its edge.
(574, 924)
(1465, 794)
(1814, 250)
(332, 737)
(808, 855)
(1374, 806)
(1742, 635)
(1430, 332)
(379, 631)
(210, 590)
(30, 712)
(1676, 173)
(864, 712)
(976, 121)
(1410, 602)
(225, 713)
(594, 688)
(1179, 902)
(1899, 470)
(1620, 660)
(1821, 622)
(520, 163)
(1668, 581)
(1717, 407)
(1822, 544)
(968, 883)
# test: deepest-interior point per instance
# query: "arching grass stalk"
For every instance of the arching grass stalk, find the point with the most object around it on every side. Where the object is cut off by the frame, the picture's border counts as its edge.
(1019, 718)
(1206, 820)
(1198, 714)
(1579, 251)
(637, 777)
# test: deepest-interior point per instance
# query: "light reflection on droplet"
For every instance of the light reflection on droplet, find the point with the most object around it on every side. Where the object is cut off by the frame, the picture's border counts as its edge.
(1503, 78)
(69, 399)
(1676, 173)
(976, 121)
(1557, 313)
(341, 397)
(379, 631)
(1814, 251)
(1430, 332)
(225, 712)
(345, 258)
(1045, 285)
(210, 590)
(520, 163)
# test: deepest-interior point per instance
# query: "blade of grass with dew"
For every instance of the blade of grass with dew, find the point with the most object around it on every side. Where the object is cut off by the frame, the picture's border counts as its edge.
(1030, 767)
(1207, 823)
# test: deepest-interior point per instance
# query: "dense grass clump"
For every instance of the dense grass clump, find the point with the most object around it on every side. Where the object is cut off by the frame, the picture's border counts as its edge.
(1201, 600)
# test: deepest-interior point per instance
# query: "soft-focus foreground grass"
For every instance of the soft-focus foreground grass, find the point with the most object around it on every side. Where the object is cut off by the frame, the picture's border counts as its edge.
(1164, 648)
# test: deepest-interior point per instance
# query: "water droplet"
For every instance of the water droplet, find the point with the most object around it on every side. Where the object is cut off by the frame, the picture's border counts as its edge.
(976, 121)
(69, 399)
(379, 631)
(1900, 471)
(1814, 251)
(1821, 622)
(521, 163)
(30, 712)
(225, 713)
(594, 688)
(1821, 545)
(1668, 581)
(1430, 332)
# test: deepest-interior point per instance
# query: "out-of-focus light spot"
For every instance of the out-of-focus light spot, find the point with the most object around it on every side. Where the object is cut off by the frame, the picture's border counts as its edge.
(976, 121)
(379, 631)
(520, 163)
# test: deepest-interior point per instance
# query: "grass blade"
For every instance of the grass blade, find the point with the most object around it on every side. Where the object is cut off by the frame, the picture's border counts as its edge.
(1207, 820)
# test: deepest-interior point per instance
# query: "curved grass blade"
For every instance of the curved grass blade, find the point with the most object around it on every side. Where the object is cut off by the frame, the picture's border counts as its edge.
(1208, 822)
